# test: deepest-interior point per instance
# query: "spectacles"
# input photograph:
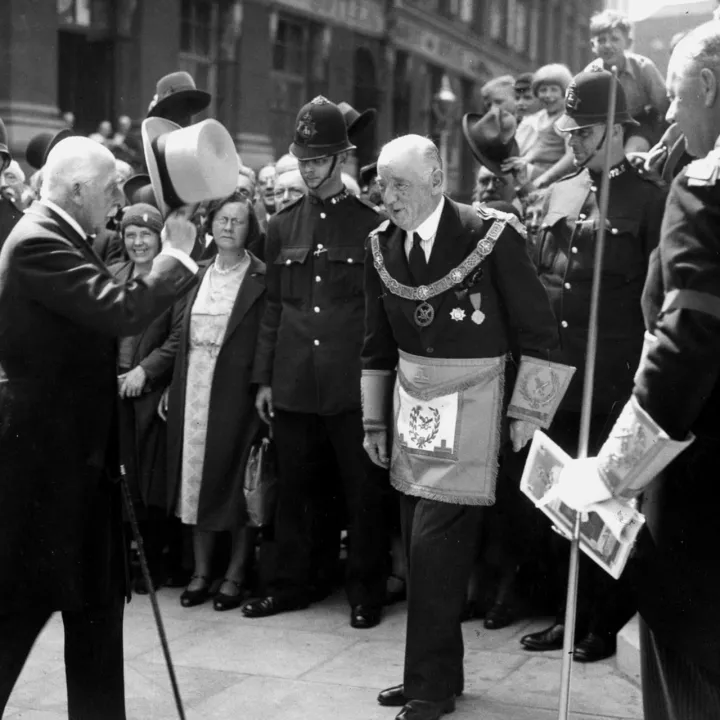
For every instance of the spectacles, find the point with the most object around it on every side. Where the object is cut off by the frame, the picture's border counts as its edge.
(222, 221)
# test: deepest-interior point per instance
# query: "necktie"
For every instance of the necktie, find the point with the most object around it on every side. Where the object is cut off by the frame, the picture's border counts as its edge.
(417, 260)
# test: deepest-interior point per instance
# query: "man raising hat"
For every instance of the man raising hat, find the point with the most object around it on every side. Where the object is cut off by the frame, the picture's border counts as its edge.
(308, 368)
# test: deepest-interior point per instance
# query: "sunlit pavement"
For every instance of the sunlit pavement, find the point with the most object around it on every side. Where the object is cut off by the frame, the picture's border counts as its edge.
(312, 664)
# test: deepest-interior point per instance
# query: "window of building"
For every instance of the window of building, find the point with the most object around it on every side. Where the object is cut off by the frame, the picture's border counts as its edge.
(431, 6)
(520, 41)
(402, 93)
(496, 17)
(462, 10)
(535, 33)
(199, 45)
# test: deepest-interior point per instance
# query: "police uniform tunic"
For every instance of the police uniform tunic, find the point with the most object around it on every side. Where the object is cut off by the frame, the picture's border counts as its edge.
(309, 354)
(565, 256)
(513, 313)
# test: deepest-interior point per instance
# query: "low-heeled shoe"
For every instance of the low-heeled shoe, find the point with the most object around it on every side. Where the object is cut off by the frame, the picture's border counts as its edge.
(271, 605)
(395, 696)
(595, 647)
(549, 639)
(426, 710)
(191, 598)
(500, 615)
(364, 617)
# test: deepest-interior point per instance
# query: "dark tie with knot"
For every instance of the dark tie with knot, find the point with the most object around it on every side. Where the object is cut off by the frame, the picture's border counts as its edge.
(417, 261)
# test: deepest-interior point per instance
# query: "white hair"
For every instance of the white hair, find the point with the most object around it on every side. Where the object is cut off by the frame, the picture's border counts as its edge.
(700, 47)
(14, 167)
(350, 184)
(74, 160)
(413, 144)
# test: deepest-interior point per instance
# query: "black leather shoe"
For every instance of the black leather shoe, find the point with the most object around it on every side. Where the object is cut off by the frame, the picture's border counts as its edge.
(549, 639)
(426, 710)
(364, 617)
(395, 696)
(595, 647)
(223, 601)
(271, 605)
(191, 598)
(500, 615)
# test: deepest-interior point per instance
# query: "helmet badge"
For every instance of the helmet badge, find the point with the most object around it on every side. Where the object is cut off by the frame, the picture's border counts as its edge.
(572, 101)
(306, 126)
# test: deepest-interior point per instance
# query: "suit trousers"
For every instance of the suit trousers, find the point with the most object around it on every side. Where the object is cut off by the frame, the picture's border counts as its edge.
(93, 658)
(301, 439)
(439, 540)
(674, 687)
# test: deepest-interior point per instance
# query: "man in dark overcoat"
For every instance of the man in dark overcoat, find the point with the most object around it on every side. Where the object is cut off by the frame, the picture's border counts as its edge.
(60, 528)
(676, 396)
(450, 290)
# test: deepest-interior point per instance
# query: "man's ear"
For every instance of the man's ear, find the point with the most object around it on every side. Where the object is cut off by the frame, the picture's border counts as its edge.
(76, 193)
(709, 87)
(437, 181)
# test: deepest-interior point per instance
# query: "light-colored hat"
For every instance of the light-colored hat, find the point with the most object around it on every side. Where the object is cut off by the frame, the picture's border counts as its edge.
(189, 165)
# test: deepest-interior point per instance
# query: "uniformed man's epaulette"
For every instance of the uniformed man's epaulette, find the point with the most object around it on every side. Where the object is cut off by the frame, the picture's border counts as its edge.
(487, 213)
(704, 172)
(290, 205)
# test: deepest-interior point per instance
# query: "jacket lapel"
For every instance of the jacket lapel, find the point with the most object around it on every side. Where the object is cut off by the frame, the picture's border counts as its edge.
(251, 288)
(396, 264)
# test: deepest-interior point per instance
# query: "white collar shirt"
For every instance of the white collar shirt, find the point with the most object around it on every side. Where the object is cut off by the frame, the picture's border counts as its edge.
(427, 231)
(66, 217)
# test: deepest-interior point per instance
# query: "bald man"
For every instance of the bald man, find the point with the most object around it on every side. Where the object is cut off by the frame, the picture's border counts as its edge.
(61, 312)
(676, 396)
(289, 187)
(449, 292)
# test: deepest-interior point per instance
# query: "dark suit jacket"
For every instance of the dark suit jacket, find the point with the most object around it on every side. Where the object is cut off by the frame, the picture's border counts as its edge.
(60, 313)
(516, 306)
(233, 422)
(679, 386)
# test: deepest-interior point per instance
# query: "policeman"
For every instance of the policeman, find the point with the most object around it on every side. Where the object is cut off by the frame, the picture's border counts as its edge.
(676, 396)
(565, 255)
(308, 369)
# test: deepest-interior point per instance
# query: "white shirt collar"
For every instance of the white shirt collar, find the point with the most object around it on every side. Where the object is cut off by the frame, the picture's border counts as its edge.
(428, 228)
(66, 217)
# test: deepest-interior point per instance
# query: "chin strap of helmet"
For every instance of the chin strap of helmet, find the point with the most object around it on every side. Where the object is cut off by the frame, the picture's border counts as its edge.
(595, 151)
(329, 173)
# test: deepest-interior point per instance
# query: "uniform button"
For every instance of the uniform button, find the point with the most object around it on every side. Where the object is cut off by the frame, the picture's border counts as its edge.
(563, 323)
(593, 188)
(316, 309)
(318, 278)
(350, 260)
(614, 231)
(573, 250)
(567, 286)
(430, 349)
(320, 246)
(287, 262)
(316, 342)
(582, 216)
(323, 215)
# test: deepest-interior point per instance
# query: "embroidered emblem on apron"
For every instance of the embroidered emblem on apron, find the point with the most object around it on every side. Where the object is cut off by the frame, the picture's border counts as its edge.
(428, 426)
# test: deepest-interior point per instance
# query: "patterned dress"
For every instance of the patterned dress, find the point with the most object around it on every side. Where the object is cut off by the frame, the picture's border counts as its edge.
(208, 321)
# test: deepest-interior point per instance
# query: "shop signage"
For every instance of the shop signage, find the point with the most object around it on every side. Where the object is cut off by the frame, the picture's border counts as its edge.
(365, 16)
(438, 49)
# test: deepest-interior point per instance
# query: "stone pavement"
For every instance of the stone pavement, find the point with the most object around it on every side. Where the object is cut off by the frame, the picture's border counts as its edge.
(311, 665)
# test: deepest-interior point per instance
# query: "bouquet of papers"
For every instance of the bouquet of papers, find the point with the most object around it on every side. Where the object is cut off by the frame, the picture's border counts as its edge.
(607, 532)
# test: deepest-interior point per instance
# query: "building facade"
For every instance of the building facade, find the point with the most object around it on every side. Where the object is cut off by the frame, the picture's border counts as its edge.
(262, 59)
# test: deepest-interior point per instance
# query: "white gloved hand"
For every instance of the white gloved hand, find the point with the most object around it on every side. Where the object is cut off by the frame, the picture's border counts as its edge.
(579, 486)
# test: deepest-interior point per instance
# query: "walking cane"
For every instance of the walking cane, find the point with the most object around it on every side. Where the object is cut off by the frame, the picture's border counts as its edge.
(151, 590)
(585, 414)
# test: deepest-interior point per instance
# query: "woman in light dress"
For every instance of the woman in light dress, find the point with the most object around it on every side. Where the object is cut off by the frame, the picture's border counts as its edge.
(211, 412)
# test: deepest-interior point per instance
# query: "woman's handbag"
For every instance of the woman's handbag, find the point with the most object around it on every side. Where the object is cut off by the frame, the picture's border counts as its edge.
(261, 484)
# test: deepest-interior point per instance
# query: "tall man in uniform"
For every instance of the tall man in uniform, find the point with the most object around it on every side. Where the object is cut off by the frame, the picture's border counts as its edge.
(565, 256)
(308, 369)
(677, 392)
(450, 290)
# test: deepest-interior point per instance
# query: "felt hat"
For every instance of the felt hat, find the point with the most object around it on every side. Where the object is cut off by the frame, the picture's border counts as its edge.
(368, 173)
(142, 215)
(491, 137)
(355, 121)
(320, 131)
(138, 189)
(177, 98)
(188, 165)
(587, 99)
(552, 74)
(39, 147)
